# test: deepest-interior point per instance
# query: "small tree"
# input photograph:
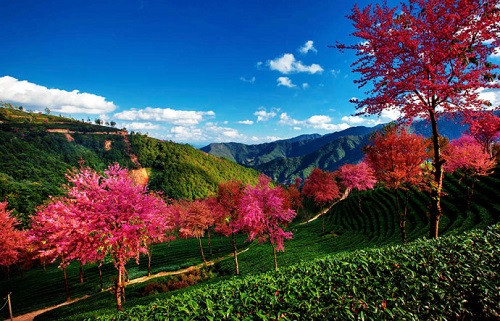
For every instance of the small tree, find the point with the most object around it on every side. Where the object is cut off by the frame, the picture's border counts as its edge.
(468, 158)
(484, 126)
(322, 187)
(397, 158)
(265, 216)
(195, 219)
(426, 59)
(13, 242)
(358, 177)
(228, 216)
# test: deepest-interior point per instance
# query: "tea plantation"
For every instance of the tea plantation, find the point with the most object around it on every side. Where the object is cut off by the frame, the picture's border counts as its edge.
(357, 268)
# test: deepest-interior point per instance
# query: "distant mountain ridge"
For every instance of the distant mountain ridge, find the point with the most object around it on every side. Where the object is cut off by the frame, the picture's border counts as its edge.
(285, 160)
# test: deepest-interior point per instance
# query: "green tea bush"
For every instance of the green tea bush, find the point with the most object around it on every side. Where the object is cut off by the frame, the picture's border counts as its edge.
(451, 278)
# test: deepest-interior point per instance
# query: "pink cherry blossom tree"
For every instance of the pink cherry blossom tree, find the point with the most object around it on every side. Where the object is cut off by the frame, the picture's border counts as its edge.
(265, 216)
(102, 215)
(468, 158)
(358, 177)
(323, 188)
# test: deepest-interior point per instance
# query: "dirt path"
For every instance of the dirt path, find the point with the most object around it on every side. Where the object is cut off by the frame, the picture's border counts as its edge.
(344, 196)
(31, 315)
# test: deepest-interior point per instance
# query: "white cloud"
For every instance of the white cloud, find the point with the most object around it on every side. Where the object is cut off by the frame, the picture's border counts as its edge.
(186, 133)
(168, 115)
(222, 134)
(285, 81)
(263, 115)
(386, 116)
(308, 46)
(305, 85)
(249, 80)
(322, 122)
(287, 64)
(492, 95)
(140, 126)
(39, 97)
(246, 122)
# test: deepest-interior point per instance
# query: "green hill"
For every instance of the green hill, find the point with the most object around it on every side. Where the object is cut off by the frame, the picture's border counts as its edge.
(36, 150)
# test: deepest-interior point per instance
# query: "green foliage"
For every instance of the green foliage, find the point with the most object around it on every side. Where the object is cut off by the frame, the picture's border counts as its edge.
(454, 277)
(181, 171)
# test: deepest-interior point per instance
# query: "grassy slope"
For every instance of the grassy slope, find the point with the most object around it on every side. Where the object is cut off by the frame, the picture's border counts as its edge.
(347, 228)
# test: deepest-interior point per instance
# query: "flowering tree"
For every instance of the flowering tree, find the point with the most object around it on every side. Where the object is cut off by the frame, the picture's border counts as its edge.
(293, 195)
(426, 59)
(397, 158)
(102, 215)
(195, 218)
(484, 126)
(57, 233)
(467, 157)
(358, 177)
(228, 217)
(13, 242)
(322, 187)
(265, 216)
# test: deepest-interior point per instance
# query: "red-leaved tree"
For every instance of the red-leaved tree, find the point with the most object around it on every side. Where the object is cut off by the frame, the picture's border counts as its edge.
(102, 215)
(13, 242)
(396, 157)
(484, 126)
(265, 216)
(468, 158)
(360, 177)
(426, 59)
(195, 219)
(228, 217)
(322, 187)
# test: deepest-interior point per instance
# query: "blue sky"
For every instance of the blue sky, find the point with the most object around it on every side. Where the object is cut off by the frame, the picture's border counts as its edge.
(189, 71)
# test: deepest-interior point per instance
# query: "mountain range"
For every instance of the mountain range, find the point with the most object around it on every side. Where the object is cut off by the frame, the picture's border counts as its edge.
(288, 159)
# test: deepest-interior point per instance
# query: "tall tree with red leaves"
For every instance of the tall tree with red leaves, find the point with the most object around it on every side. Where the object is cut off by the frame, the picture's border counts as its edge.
(426, 59)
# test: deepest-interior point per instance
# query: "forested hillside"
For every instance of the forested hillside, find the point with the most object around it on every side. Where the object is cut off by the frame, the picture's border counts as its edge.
(36, 151)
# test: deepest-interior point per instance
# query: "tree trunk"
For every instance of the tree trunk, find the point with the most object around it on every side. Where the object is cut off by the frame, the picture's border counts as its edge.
(235, 255)
(66, 285)
(201, 250)
(100, 276)
(401, 218)
(118, 288)
(275, 260)
(149, 260)
(322, 221)
(81, 272)
(209, 243)
(437, 183)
